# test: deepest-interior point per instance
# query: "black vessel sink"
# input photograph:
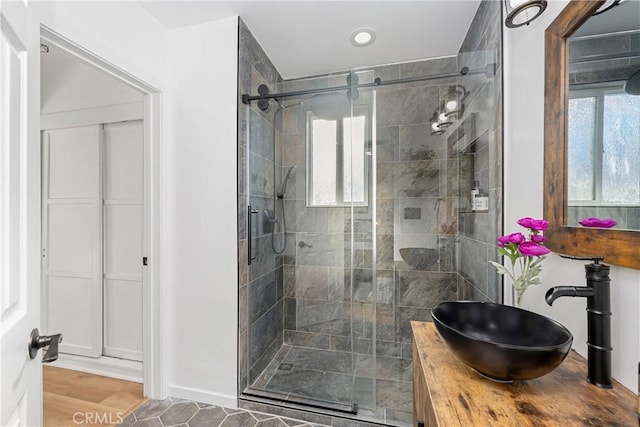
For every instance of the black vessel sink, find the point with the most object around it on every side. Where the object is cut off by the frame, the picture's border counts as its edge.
(501, 342)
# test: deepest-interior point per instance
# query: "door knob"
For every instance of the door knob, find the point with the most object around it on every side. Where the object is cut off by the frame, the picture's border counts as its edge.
(36, 342)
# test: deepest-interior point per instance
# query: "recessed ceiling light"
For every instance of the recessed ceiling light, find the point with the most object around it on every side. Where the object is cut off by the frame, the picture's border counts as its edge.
(362, 37)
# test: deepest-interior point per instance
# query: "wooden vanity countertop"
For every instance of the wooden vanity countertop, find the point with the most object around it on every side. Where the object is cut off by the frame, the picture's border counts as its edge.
(461, 397)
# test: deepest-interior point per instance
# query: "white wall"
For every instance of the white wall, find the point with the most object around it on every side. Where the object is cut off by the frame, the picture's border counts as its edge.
(195, 69)
(122, 33)
(202, 209)
(524, 142)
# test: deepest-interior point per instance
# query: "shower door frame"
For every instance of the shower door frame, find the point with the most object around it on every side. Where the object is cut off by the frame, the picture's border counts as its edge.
(370, 201)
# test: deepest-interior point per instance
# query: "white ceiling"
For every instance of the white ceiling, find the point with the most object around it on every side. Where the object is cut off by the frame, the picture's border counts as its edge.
(305, 38)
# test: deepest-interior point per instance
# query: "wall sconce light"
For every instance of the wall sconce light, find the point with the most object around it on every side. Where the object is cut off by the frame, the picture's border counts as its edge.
(436, 129)
(454, 101)
(451, 108)
(440, 120)
(521, 12)
(443, 120)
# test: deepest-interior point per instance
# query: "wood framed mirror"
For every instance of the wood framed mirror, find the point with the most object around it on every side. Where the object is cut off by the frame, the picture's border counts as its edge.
(618, 246)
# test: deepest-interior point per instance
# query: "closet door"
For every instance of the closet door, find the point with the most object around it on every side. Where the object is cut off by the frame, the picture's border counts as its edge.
(72, 238)
(123, 229)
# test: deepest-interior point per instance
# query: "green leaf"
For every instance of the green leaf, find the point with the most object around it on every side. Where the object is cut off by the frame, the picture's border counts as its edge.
(538, 261)
(500, 269)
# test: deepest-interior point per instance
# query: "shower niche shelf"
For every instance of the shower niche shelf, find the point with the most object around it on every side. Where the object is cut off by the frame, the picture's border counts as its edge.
(471, 147)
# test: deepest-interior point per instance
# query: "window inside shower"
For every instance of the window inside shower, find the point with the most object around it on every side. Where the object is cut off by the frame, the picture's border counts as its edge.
(337, 172)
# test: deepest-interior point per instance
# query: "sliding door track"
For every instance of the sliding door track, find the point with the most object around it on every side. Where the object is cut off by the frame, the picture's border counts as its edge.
(299, 400)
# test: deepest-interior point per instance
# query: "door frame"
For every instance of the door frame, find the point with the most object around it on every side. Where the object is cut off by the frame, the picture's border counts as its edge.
(154, 366)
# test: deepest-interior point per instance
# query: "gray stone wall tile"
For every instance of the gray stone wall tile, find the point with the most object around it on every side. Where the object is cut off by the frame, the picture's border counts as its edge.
(309, 281)
(417, 143)
(473, 263)
(306, 339)
(387, 143)
(406, 106)
(264, 333)
(261, 295)
(424, 289)
(417, 179)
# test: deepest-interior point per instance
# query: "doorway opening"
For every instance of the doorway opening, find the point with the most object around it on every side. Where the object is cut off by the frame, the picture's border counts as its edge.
(101, 253)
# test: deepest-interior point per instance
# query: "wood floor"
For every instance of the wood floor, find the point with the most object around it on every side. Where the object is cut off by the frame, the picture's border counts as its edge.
(73, 398)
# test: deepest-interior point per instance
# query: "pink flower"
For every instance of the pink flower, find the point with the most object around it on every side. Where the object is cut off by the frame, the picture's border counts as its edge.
(532, 249)
(534, 224)
(516, 238)
(597, 222)
(537, 238)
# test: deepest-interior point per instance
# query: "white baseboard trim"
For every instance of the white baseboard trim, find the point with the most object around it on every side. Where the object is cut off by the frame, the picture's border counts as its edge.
(105, 366)
(204, 396)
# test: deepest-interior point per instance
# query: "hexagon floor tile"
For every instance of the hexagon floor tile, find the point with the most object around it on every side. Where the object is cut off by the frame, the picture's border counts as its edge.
(173, 412)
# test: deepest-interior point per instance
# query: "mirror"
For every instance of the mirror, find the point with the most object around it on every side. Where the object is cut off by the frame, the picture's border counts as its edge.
(585, 166)
(603, 120)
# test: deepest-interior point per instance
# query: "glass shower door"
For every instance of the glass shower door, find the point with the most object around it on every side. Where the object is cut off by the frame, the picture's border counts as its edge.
(310, 293)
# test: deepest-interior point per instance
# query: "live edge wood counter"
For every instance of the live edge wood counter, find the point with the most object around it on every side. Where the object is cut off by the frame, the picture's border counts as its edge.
(447, 393)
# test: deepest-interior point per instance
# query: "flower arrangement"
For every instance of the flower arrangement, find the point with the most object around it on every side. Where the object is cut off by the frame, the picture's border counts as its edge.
(525, 254)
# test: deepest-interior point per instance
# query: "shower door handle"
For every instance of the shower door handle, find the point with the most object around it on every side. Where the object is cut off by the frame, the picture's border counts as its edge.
(251, 212)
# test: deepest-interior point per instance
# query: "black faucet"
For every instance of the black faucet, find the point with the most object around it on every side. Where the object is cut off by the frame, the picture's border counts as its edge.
(598, 297)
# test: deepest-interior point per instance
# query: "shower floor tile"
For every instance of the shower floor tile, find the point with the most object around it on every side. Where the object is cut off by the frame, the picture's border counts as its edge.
(316, 375)
(397, 395)
(387, 368)
(310, 383)
(272, 368)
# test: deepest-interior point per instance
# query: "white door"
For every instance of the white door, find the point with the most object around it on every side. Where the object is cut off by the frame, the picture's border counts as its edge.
(123, 229)
(72, 237)
(93, 205)
(20, 376)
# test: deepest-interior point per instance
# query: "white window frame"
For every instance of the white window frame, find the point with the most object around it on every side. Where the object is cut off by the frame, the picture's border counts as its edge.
(598, 91)
(357, 111)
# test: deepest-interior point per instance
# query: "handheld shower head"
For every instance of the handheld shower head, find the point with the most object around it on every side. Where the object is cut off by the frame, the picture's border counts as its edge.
(283, 191)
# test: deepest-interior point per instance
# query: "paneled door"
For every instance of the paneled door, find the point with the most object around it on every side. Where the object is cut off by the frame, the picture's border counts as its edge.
(20, 376)
(72, 237)
(92, 238)
(123, 227)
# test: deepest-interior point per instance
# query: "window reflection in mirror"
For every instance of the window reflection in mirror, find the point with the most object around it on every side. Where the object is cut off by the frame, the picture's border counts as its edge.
(603, 128)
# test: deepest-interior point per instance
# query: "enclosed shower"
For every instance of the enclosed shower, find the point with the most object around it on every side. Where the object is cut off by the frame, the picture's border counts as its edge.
(354, 221)
(316, 213)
